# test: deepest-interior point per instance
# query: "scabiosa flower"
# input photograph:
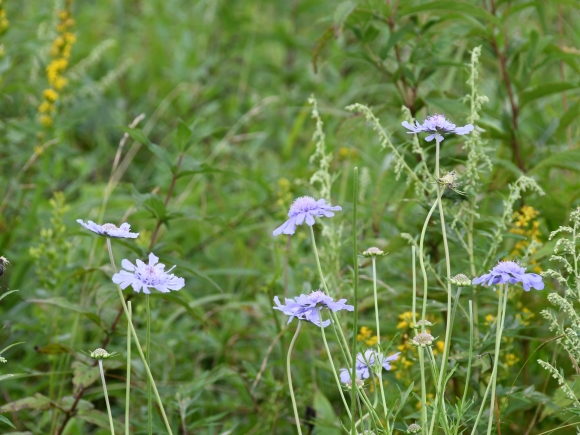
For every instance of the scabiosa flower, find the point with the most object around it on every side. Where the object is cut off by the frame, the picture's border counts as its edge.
(373, 253)
(144, 276)
(100, 354)
(436, 124)
(366, 363)
(461, 280)
(110, 230)
(414, 428)
(306, 209)
(422, 322)
(510, 272)
(307, 307)
(423, 339)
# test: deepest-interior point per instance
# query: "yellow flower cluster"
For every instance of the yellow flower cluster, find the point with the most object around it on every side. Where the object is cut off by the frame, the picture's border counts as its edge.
(405, 320)
(366, 335)
(60, 53)
(3, 25)
(526, 225)
(511, 359)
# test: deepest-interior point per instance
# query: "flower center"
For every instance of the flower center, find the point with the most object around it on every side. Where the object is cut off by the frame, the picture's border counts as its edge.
(302, 205)
(149, 276)
(110, 227)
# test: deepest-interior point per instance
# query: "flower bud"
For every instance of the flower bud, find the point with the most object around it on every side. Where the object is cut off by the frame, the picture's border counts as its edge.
(423, 339)
(461, 280)
(414, 428)
(100, 354)
(374, 253)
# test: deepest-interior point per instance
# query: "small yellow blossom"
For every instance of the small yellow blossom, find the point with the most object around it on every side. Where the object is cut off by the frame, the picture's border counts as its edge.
(511, 359)
(429, 399)
(439, 347)
(45, 107)
(405, 320)
(489, 319)
(46, 120)
(50, 95)
(365, 335)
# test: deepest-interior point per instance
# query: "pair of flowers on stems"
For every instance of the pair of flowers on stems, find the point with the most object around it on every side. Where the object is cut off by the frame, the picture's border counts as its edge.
(309, 308)
(139, 276)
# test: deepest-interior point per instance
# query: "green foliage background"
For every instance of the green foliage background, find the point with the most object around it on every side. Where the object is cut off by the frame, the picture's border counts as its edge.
(239, 73)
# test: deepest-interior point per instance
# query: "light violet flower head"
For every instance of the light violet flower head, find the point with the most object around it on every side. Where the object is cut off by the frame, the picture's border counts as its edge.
(366, 363)
(307, 307)
(306, 209)
(436, 125)
(510, 272)
(110, 230)
(143, 276)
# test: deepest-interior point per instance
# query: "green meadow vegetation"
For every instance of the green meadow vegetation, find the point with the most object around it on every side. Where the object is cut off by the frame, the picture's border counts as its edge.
(199, 123)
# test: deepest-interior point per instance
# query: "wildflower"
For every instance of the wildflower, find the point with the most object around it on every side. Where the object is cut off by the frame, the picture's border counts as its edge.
(405, 320)
(100, 354)
(461, 280)
(3, 360)
(422, 322)
(489, 319)
(3, 262)
(374, 253)
(306, 209)
(414, 428)
(110, 230)
(50, 95)
(511, 359)
(307, 307)
(366, 335)
(436, 124)
(144, 276)
(366, 363)
(359, 383)
(423, 339)
(510, 272)
(439, 347)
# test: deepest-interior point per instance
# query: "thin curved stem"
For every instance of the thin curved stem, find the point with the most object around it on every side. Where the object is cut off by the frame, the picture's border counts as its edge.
(380, 376)
(106, 397)
(148, 355)
(138, 344)
(128, 389)
(318, 261)
(289, 357)
(355, 289)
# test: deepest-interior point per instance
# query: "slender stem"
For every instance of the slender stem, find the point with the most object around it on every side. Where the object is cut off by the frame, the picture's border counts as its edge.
(340, 339)
(138, 344)
(499, 326)
(355, 288)
(334, 368)
(128, 393)
(423, 392)
(422, 263)
(148, 355)
(413, 262)
(318, 261)
(380, 376)
(468, 375)
(290, 377)
(106, 397)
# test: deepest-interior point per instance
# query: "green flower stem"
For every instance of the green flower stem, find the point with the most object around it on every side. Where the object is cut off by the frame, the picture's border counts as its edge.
(355, 288)
(344, 346)
(498, 336)
(468, 375)
(414, 267)
(443, 371)
(380, 376)
(289, 357)
(423, 392)
(148, 356)
(318, 261)
(106, 397)
(138, 344)
(498, 327)
(334, 368)
(128, 389)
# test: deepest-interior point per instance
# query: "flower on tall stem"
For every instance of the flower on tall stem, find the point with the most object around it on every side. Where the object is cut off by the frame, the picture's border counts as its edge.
(510, 272)
(143, 276)
(307, 307)
(305, 209)
(436, 124)
(370, 361)
(110, 230)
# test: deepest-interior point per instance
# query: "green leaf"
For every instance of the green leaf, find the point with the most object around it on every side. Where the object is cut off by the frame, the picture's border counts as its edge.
(183, 135)
(456, 6)
(569, 159)
(156, 207)
(393, 39)
(64, 303)
(571, 115)
(205, 169)
(99, 419)
(341, 14)
(11, 375)
(6, 421)
(532, 94)
(84, 375)
(6, 294)
(162, 154)
(8, 347)
(53, 349)
(38, 402)
(136, 134)
(325, 416)
(321, 43)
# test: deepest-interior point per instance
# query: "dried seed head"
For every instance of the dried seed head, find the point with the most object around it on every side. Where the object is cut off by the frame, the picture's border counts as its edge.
(461, 280)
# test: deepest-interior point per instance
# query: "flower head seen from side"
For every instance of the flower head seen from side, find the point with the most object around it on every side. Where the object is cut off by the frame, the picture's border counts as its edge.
(305, 209)
(143, 276)
(110, 230)
(367, 363)
(510, 272)
(436, 125)
(307, 307)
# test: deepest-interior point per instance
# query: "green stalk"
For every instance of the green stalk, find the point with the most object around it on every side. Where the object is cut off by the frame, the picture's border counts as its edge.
(318, 261)
(467, 377)
(148, 356)
(423, 391)
(128, 393)
(355, 288)
(380, 376)
(290, 377)
(106, 397)
(138, 344)
(334, 368)
(498, 336)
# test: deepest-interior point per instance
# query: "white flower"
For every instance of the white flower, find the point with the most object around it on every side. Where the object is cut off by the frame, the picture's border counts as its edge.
(144, 276)
(110, 230)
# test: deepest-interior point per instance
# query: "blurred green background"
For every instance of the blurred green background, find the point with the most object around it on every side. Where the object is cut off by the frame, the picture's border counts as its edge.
(239, 74)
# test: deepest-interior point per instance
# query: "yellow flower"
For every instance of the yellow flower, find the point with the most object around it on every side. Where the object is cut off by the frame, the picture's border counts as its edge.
(50, 95)
(489, 319)
(405, 320)
(511, 359)
(46, 120)
(439, 347)
(429, 398)
(364, 333)
(372, 341)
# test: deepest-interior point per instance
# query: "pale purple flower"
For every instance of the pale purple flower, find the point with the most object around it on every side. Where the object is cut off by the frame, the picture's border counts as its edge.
(304, 209)
(436, 125)
(143, 276)
(510, 272)
(307, 307)
(110, 230)
(365, 364)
